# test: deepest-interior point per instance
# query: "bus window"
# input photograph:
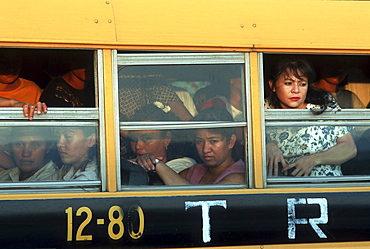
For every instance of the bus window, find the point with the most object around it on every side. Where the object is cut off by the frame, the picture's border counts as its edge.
(60, 78)
(159, 94)
(313, 125)
(190, 154)
(59, 149)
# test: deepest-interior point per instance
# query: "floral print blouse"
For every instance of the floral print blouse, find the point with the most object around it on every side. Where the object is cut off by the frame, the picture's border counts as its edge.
(295, 142)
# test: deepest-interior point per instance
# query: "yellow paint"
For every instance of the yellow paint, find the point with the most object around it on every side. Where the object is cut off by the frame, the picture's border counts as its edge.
(179, 193)
(187, 25)
(110, 127)
(256, 125)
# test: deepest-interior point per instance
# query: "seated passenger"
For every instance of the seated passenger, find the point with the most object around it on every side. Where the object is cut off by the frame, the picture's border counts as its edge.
(311, 150)
(16, 91)
(140, 86)
(30, 149)
(75, 87)
(230, 96)
(215, 148)
(333, 75)
(186, 99)
(77, 150)
(165, 144)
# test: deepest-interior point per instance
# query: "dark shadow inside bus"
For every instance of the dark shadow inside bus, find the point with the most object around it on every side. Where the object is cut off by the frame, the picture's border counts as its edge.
(58, 77)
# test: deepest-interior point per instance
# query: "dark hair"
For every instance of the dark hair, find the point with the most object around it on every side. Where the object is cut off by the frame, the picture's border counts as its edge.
(299, 68)
(10, 61)
(216, 114)
(220, 114)
(179, 143)
(333, 66)
(46, 133)
(87, 131)
(153, 113)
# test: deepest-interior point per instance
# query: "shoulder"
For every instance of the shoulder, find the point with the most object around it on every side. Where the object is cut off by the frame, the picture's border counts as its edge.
(28, 84)
(331, 106)
(58, 81)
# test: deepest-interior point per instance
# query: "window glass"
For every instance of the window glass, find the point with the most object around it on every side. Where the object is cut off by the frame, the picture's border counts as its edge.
(181, 90)
(315, 150)
(45, 153)
(186, 154)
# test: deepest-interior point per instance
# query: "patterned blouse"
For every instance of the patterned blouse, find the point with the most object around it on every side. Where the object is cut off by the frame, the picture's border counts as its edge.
(295, 142)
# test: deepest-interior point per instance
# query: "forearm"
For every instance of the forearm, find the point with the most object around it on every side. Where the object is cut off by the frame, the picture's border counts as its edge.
(180, 111)
(338, 154)
(4, 102)
(168, 176)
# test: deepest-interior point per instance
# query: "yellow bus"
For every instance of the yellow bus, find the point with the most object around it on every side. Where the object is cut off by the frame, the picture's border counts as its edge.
(183, 49)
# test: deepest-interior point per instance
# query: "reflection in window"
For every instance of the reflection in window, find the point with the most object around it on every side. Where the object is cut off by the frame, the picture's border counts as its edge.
(309, 150)
(200, 156)
(181, 90)
(48, 153)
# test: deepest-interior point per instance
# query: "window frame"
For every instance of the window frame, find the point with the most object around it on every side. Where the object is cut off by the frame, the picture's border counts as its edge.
(123, 58)
(296, 118)
(68, 117)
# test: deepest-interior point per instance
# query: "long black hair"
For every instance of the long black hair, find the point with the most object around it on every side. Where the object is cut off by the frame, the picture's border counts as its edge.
(299, 68)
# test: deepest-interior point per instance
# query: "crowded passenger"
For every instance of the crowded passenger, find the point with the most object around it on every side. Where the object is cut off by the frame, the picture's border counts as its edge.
(215, 148)
(332, 77)
(230, 95)
(30, 149)
(311, 150)
(16, 91)
(140, 86)
(77, 150)
(75, 87)
(171, 146)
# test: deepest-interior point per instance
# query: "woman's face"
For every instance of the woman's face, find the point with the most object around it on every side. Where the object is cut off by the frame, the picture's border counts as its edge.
(214, 149)
(150, 141)
(74, 147)
(29, 153)
(290, 90)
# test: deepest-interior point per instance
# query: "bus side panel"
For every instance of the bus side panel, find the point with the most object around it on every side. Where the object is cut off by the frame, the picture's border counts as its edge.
(241, 23)
(186, 220)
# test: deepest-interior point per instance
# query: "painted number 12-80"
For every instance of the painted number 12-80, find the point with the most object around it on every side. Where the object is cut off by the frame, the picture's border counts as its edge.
(116, 226)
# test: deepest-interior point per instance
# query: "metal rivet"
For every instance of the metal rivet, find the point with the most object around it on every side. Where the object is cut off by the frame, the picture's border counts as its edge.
(107, 2)
(242, 25)
(254, 25)
(96, 20)
(109, 20)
